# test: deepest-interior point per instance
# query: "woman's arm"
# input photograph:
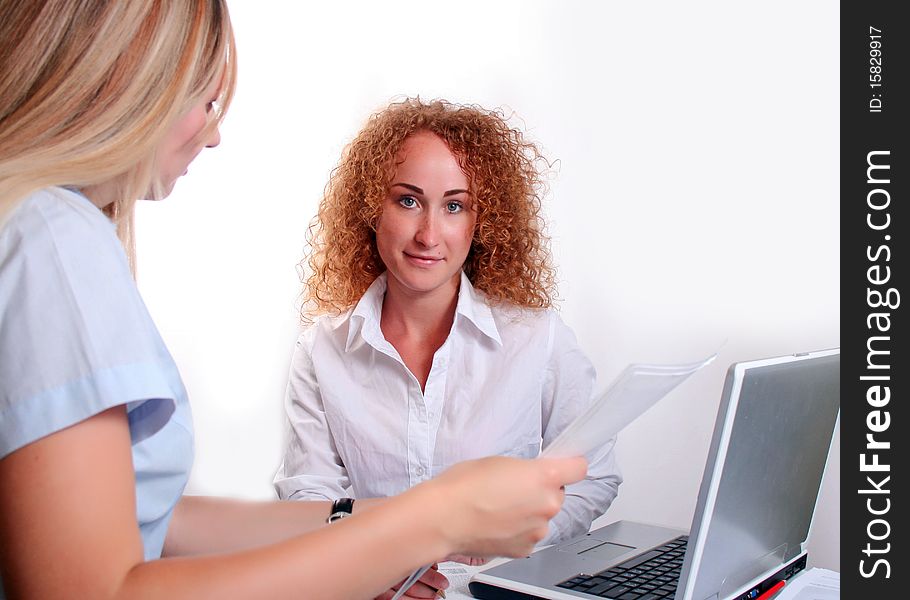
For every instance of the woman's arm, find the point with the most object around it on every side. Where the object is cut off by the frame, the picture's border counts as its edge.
(207, 525)
(567, 392)
(68, 512)
(68, 527)
(312, 467)
(198, 524)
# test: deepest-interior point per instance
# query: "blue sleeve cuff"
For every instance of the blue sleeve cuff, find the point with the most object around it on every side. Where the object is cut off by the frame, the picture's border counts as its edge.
(142, 387)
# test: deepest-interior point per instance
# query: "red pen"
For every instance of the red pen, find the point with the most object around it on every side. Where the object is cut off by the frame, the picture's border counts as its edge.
(772, 590)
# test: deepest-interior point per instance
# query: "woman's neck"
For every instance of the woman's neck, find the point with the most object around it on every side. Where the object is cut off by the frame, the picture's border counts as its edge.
(418, 323)
(101, 194)
(425, 316)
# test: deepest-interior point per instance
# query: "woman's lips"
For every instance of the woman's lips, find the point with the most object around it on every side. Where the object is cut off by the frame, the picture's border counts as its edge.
(422, 261)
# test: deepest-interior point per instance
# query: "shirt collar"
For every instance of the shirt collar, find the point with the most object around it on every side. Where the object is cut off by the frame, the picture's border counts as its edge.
(473, 306)
(365, 318)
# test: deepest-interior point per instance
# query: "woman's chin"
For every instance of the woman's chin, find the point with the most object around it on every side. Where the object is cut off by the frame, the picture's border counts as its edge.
(426, 283)
(159, 192)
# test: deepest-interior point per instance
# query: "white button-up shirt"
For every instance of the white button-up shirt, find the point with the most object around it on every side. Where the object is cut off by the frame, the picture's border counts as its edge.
(505, 382)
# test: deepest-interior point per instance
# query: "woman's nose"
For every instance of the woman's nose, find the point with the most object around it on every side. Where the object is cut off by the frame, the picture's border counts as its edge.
(427, 233)
(214, 139)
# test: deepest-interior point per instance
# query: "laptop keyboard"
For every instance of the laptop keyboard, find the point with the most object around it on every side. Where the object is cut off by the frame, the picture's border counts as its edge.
(649, 576)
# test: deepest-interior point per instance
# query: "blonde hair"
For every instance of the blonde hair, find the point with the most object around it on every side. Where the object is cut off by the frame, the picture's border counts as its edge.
(509, 259)
(88, 89)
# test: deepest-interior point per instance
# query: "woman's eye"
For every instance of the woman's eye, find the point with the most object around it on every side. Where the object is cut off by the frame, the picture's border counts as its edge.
(454, 207)
(407, 202)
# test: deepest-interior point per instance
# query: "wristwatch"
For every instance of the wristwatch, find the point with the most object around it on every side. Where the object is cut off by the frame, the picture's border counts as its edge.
(341, 508)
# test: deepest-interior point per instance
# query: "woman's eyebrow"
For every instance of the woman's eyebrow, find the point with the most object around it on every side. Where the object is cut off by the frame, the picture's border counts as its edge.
(418, 190)
(413, 188)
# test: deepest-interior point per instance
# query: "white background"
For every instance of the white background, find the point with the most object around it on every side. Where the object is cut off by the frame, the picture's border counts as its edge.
(694, 207)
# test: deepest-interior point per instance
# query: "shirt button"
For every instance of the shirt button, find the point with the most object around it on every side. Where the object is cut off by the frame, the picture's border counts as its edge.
(432, 415)
(419, 471)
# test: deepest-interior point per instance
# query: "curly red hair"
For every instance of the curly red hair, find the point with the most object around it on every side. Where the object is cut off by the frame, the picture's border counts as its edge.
(509, 258)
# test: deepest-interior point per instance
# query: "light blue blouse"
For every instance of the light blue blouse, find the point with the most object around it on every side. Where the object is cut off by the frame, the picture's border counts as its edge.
(76, 339)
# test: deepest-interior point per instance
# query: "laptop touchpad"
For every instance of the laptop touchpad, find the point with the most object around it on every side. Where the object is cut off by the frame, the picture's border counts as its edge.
(606, 551)
(581, 546)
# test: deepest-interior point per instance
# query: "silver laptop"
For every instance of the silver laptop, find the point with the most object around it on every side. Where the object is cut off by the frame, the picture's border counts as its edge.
(774, 428)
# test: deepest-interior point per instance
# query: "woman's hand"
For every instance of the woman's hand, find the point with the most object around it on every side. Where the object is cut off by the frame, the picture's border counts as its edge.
(473, 561)
(501, 506)
(425, 587)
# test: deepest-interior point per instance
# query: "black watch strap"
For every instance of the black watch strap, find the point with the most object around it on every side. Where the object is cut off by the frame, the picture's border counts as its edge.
(341, 508)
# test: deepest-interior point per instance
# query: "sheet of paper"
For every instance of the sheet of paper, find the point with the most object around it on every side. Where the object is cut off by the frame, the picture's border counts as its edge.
(814, 584)
(459, 576)
(634, 391)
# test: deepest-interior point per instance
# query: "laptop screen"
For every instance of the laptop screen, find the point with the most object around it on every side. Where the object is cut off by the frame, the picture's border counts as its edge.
(764, 471)
(772, 434)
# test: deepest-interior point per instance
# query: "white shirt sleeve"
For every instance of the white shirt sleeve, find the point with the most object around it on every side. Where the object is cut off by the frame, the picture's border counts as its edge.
(312, 469)
(567, 391)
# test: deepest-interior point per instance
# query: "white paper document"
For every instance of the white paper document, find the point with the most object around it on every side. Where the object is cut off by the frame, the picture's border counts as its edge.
(634, 391)
(459, 576)
(814, 584)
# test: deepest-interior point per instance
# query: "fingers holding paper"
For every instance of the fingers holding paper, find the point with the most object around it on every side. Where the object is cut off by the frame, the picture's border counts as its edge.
(505, 504)
(472, 561)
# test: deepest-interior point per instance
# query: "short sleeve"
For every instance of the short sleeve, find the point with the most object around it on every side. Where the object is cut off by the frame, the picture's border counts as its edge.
(75, 336)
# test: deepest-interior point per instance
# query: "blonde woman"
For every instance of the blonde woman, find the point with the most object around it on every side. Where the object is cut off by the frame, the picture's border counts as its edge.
(103, 102)
(434, 338)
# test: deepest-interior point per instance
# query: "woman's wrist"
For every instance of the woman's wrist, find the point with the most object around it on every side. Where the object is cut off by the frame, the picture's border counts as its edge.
(364, 504)
(435, 511)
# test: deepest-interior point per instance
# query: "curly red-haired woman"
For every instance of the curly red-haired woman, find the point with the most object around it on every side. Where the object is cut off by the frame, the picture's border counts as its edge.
(431, 336)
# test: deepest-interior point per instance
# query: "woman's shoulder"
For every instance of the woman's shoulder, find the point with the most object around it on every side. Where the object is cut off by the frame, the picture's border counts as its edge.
(513, 314)
(525, 325)
(59, 202)
(61, 221)
(543, 325)
(323, 327)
